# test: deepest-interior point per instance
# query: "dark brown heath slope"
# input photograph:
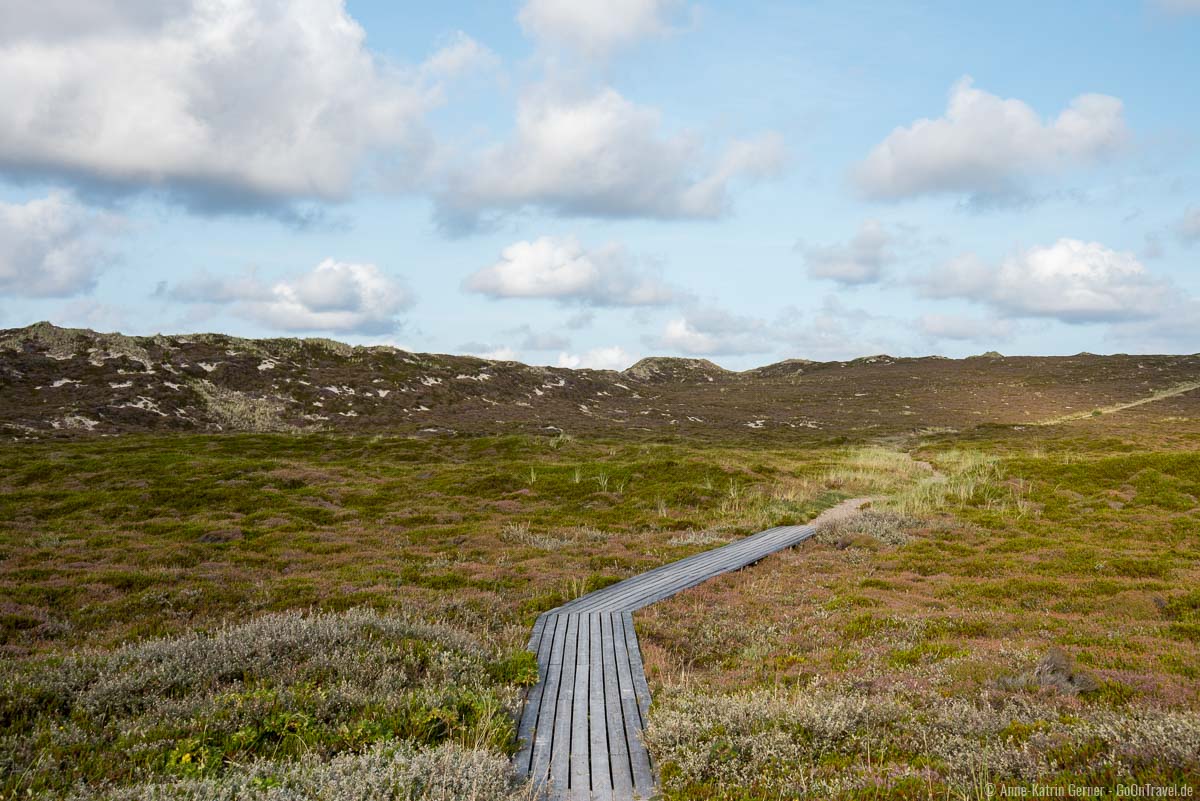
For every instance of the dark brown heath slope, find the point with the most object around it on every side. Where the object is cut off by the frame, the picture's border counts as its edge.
(70, 382)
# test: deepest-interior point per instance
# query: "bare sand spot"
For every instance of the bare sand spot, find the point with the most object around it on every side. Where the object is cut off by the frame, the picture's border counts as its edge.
(844, 510)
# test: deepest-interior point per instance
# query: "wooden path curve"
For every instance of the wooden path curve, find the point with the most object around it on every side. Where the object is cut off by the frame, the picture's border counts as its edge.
(581, 728)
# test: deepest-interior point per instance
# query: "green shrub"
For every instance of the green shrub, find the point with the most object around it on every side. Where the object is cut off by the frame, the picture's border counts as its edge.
(279, 687)
(387, 771)
(519, 668)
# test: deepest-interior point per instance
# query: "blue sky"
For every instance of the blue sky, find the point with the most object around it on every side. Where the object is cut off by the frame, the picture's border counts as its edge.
(584, 183)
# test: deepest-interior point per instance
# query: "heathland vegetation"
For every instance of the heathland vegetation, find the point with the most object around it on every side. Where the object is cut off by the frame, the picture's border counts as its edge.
(341, 614)
(1025, 611)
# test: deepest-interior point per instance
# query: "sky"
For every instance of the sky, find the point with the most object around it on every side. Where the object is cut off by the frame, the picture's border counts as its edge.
(583, 183)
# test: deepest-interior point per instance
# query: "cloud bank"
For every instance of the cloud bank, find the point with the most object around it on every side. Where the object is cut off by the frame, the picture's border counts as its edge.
(225, 104)
(53, 246)
(596, 27)
(1071, 281)
(561, 269)
(605, 358)
(707, 331)
(600, 155)
(859, 261)
(988, 146)
(248, 106)
(334, 296)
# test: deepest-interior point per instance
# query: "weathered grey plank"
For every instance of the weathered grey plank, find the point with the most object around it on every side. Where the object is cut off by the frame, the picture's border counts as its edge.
(543, 738)
(539, 626)
(618, 745)
(641, 689)
(600, 773)
(560, 745)
(581, 765)
(546, 643)
(643, 776)
(541, 645)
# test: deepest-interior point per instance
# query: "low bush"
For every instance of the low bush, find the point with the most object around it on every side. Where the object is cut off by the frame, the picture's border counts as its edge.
(821, 741)
(279, 687)
(888, 528)
(388, 771)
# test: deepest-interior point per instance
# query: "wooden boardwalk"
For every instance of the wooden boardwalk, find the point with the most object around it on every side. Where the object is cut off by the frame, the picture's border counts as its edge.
(582, 722)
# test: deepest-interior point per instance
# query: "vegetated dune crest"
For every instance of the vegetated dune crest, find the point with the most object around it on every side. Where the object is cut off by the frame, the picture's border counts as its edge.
(76, 381)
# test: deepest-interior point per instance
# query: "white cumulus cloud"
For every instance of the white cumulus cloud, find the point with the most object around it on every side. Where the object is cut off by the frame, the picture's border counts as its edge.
(714, 332)
(55, 20)
(600, 155)
(561, 269)
(334, 296)
(986, 145)
(1071, 280)
(613, 357)
(461, 54)
(224, 103)
(859, 261)
(52, 246)
(596, 27)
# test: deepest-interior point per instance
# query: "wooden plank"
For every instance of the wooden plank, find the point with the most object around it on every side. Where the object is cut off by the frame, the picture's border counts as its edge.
(560, 745)
(579, 779)
(533, 697)
(539, 626)
(546, 644)
(599, 770)
(641, 689)
(543, 735)
(643, 776)
(618, 747)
